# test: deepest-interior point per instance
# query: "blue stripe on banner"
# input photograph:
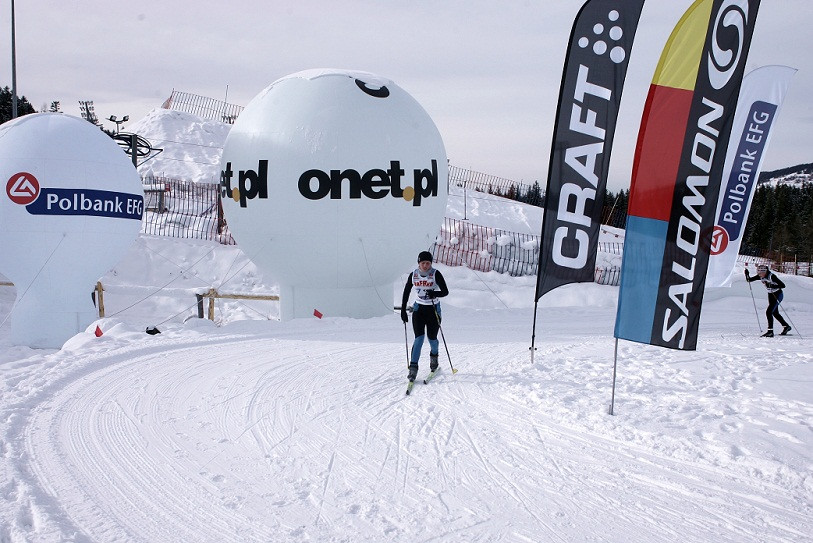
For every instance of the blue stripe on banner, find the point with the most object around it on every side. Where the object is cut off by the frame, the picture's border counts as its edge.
(644, 244)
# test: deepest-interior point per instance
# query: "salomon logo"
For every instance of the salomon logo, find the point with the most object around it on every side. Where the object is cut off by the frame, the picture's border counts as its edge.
(732, 18)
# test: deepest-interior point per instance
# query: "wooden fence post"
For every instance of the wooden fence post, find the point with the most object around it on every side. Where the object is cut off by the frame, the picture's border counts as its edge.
(100, 298)
(212, 294)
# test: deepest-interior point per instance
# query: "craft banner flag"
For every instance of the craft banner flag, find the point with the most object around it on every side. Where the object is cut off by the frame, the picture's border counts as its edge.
(678, 163)
(763, 91)
(589, 98)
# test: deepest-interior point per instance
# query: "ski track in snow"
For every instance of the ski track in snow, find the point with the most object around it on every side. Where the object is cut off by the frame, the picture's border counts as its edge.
(210, 441)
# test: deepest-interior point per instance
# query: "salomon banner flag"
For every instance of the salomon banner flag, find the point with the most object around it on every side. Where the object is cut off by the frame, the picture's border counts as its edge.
(589, 97)
(763, 91)
(676, 173)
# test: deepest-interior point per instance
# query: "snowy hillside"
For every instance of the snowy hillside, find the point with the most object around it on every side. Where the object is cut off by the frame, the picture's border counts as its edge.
(192, 146)
(794, 176)
(250, 429)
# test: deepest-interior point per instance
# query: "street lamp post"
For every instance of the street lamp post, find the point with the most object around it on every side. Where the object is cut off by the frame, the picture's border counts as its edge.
(118, 122)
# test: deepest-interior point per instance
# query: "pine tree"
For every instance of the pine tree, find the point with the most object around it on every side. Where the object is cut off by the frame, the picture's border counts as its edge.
(23, 106)
(534, 195)
(780, 222)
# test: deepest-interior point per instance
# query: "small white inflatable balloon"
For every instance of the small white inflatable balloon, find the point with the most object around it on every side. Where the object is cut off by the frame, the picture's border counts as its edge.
(333, 181)
(70, 209)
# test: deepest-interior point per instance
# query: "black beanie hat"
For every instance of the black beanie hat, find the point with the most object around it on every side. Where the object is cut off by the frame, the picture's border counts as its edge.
(424, 256)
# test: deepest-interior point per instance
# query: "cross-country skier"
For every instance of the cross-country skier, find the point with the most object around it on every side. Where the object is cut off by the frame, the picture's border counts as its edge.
(774, 286)
(429, 285)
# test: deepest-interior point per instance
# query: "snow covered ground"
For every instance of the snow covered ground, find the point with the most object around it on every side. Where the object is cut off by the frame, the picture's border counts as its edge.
(251, 429)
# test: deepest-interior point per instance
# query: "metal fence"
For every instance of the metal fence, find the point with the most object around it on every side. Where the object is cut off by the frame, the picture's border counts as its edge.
(790, 267)
(482, 248)
(202, 106)
(612, 247)
(608, 276)
(491, 184)
(182, 209)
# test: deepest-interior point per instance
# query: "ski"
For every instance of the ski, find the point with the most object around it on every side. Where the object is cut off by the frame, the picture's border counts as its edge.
(431, 375)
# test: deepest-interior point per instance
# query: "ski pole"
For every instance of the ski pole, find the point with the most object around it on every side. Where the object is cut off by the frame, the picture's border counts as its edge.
(406, 344)
(437, 316)
(787, 316)
(755, 303)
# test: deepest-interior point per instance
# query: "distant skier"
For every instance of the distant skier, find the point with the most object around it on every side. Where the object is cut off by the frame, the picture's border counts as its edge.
(425, 311)
(774, 286)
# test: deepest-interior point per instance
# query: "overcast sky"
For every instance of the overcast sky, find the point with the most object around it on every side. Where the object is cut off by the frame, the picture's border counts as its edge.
(487, 71)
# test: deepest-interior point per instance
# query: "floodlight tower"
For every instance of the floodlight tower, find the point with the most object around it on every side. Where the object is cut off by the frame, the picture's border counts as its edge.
(13, 67)
(118, 122)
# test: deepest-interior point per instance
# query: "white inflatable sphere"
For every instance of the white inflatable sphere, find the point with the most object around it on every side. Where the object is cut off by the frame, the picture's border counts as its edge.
(71, 207)
(333, 181)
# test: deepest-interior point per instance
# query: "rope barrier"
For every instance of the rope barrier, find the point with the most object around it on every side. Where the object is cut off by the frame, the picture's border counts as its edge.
(20, 297)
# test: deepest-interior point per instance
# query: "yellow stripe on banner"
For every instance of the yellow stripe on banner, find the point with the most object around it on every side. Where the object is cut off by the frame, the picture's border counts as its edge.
(680, 59)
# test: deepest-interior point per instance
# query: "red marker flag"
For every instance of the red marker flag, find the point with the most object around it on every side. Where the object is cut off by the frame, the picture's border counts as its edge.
(317, 314)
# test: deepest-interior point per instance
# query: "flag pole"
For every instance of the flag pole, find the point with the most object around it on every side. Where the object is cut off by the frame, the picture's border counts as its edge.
(578, 165)
(533, 332)
(615, 366)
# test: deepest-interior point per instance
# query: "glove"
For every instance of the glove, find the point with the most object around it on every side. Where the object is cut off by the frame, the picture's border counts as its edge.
(747, 275)
(404, 315)
(431, 294)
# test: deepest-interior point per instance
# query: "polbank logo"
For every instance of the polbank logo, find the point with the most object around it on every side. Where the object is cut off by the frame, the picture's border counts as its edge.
(315, 184)
(24, 189)
(719, 240)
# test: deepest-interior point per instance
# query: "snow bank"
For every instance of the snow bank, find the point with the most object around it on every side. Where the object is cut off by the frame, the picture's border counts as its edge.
(192, 146)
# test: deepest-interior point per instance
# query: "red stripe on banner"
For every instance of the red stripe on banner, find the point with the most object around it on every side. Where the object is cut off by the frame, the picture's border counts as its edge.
(657, 155)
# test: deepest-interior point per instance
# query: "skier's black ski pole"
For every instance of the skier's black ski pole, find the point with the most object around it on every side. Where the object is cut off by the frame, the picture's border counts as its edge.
(406, 344)
(787, 316)
(437, 316)
(753, 300)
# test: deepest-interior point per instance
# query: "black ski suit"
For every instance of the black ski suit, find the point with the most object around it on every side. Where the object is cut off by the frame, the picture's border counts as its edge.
(775, 296)
(425, 311)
